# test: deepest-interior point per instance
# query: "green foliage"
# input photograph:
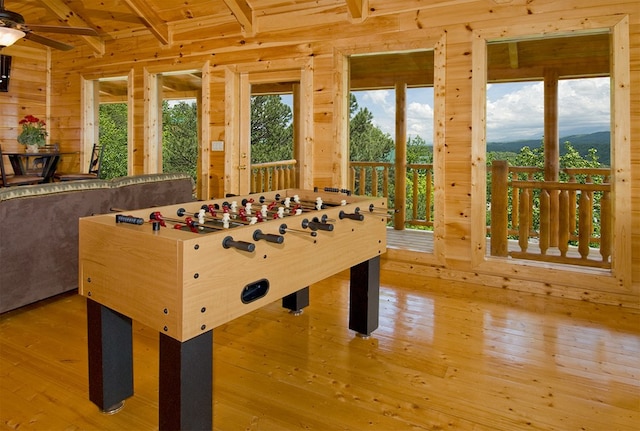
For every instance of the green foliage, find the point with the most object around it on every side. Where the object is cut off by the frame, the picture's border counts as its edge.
(418, 151)
(113, 137)
(271, 129)
(534, 157)
(366, 141)
(180, 138)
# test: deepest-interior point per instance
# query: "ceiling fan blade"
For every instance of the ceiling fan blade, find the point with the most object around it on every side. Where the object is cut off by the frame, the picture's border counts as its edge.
(48, 42)
(84, 31)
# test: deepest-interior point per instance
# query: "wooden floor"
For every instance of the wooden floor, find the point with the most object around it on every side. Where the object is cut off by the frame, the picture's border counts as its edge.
(445, 357)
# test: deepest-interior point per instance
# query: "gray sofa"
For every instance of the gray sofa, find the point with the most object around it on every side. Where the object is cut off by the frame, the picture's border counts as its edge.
(39, 228)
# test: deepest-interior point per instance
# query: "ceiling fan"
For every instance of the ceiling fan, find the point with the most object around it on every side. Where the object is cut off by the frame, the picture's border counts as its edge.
(13, 27)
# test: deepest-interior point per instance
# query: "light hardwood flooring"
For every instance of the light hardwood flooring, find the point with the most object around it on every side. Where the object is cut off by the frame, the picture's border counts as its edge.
(446, 356)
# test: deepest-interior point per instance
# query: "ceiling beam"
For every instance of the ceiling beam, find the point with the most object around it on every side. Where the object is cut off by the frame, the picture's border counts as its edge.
(151, 20)
(68, 15)
(243, 13)
(358, 9)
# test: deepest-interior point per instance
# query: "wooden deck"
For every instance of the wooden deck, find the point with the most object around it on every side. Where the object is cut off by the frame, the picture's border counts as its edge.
(447, 356)
(410, 239)
(422, 241)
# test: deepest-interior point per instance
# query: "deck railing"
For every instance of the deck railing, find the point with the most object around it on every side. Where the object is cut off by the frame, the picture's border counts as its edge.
(370, 178)
(373, 178)
(567, 221)
(419, 194)
(271, 176)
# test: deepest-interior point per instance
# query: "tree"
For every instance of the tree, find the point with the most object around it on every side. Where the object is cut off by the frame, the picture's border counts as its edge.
(271, 129)
(180, 138)
(418, 151)
(113, 137)
(367, 143)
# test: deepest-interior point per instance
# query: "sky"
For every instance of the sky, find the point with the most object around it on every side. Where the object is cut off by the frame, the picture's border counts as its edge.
(514, 110)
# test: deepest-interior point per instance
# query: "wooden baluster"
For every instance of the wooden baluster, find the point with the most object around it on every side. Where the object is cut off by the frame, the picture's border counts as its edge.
(427, 197)
(279, 178)
(499, 205)
(286, 181)
(584, 224)
(523, 229)
(515, 203)
(259, 186)
(415, 194)
(545, 220)
(275, 178)
(252, 181)
(573, 205)
(605, 225)
(363, 180)
(353, 180)
(374, 182)
(564, 220)
(268, 179)
(554, 221)
(385, 181)
(589, 180)
(530, 177)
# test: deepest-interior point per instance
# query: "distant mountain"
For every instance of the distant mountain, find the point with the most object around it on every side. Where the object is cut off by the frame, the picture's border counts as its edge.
(582, 143)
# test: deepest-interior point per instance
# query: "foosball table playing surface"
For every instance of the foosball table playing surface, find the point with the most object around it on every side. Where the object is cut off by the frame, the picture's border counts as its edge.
(186, 269)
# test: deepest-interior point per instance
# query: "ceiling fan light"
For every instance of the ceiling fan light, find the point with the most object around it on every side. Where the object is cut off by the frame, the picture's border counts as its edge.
(9, 36)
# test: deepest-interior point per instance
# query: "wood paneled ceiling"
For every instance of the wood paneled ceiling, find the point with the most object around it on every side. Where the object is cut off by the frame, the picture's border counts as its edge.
(166, 20)
(117, 19)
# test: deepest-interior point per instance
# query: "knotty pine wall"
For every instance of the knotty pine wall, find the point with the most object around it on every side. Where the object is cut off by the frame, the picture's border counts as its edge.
(321, 40)
(28, 92)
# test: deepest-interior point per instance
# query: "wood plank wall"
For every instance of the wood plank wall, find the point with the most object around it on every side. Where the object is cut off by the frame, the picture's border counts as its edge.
(27, 92)
(324, 36)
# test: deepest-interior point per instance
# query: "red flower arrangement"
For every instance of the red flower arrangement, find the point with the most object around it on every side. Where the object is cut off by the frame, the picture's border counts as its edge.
(33, 131)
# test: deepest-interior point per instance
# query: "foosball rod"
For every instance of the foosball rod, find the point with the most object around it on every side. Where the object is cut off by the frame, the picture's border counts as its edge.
(190, 223)
(181, 212)
(284, 229)
(381, 211)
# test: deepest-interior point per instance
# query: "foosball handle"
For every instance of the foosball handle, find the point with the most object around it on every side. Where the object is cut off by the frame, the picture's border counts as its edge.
(269, 237)
(316, 224)
(355, 216)
(228, 242)
(334, 190)
(129, 219)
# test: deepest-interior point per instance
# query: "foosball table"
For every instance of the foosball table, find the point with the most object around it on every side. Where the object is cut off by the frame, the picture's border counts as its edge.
(186, 269)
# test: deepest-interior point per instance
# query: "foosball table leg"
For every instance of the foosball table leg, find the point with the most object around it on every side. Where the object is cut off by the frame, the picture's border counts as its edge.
(185, 399)
(110, 345)
(364, 297)
(296, 301)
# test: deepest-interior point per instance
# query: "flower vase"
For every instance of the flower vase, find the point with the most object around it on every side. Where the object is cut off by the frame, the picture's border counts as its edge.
(32, 148)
